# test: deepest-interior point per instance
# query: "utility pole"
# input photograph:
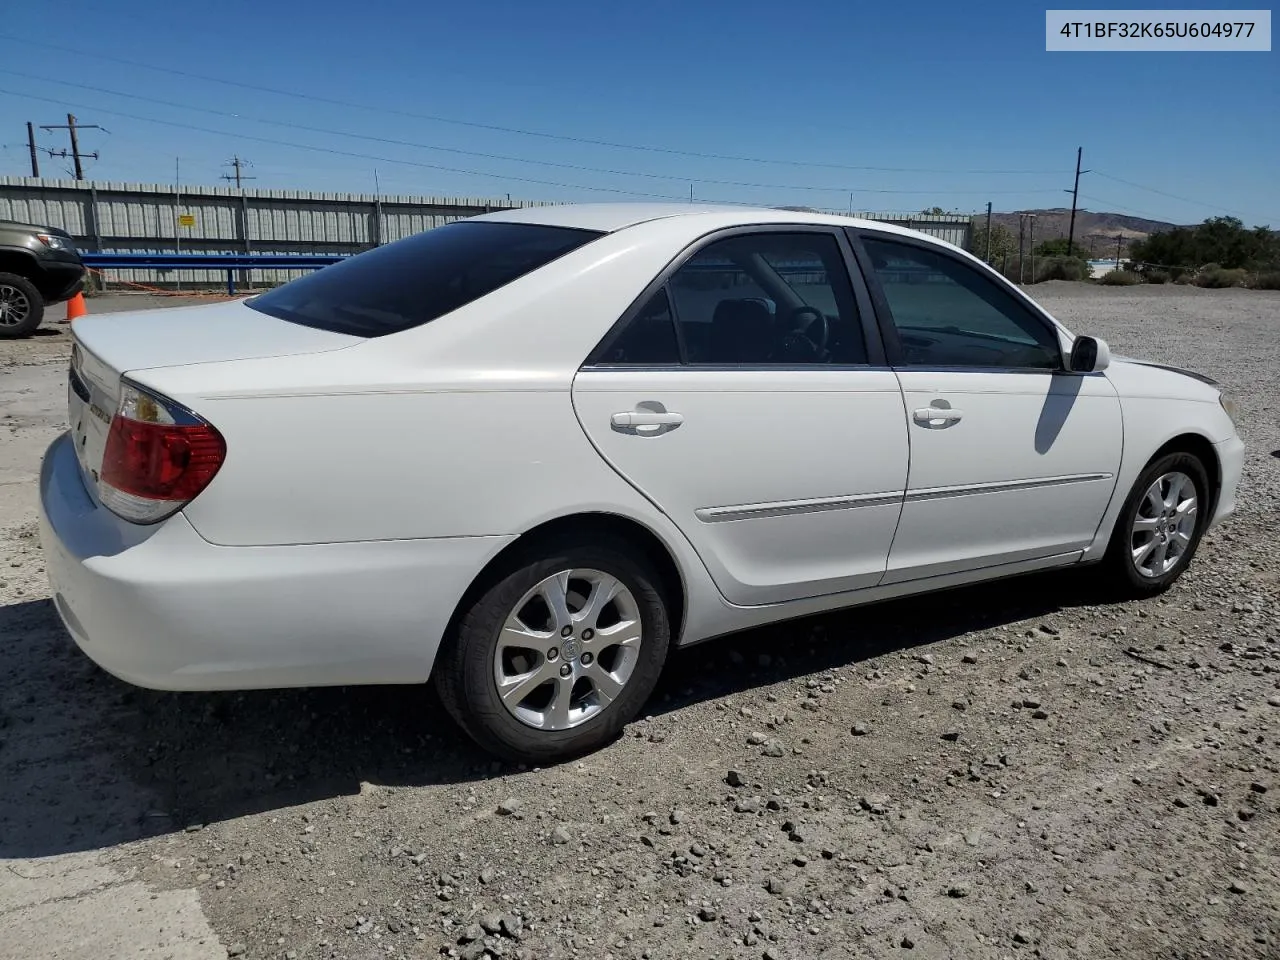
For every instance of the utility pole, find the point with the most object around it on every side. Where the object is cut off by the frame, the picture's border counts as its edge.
(72, 126)
(1031, 242)
(177, 201)
(31, 145)
(1119, 241)
(1022, 224)
(988, 256)
(237, 163)
(1075, 192)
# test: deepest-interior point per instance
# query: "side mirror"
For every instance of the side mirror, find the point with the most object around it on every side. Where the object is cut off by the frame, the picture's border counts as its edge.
(1089, 355)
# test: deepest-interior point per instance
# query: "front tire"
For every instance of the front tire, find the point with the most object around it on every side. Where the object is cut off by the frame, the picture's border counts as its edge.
(21, 306)
(557, 653)
(1159, 527)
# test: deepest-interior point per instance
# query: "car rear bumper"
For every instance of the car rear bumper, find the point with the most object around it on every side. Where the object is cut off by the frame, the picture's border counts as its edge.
(161, 607)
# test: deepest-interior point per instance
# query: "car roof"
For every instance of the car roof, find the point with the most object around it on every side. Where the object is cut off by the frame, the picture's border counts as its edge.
(611, 217)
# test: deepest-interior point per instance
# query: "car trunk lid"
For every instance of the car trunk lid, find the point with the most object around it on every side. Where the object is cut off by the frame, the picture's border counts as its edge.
(108, 347)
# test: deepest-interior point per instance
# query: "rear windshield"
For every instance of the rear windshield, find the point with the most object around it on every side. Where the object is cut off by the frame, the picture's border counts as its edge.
(414, 280)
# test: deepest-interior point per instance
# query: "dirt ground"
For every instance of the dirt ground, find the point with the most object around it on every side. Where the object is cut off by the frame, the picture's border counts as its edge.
(1005, 771)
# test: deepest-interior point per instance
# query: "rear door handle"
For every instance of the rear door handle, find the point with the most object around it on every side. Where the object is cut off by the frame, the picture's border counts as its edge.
(936, 416)
(646, 418)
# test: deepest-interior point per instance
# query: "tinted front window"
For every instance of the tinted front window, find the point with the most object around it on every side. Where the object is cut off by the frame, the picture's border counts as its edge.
(414, 280)
(949, 314)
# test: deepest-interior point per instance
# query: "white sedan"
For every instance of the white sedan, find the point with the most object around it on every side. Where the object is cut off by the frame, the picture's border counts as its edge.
(526, 454)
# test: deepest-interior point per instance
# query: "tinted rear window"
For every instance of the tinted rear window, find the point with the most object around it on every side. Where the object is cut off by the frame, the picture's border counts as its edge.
(412, 281)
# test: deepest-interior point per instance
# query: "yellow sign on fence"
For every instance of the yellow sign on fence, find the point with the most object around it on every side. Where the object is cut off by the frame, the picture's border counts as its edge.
(186, 219)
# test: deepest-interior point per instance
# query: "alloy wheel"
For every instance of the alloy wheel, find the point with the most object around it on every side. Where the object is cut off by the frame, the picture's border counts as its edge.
(1164, 525)
(567, 649)
(15, 307)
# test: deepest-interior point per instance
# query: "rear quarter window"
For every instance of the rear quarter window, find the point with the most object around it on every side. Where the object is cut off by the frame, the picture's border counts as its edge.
(415, 280)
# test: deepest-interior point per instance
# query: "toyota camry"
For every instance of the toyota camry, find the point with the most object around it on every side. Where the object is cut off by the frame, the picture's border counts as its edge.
(525, 455)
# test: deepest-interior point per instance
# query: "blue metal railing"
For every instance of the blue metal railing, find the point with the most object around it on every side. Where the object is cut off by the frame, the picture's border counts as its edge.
(229, 262)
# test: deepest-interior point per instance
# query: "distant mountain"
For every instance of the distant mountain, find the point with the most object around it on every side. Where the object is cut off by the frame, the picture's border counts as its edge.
(1100, 229)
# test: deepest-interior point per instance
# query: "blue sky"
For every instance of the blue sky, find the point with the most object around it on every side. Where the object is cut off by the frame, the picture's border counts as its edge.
(958, 103)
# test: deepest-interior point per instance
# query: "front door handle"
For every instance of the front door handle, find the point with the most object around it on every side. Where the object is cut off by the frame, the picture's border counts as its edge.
(936, 416)
(649, 419)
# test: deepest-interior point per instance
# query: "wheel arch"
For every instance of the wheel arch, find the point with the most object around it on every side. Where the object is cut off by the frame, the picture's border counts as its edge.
(20, 261)
(1202, 448)
(584, 526)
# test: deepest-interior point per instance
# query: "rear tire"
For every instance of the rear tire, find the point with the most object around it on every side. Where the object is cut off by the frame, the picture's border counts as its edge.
(1159, 527)
(21, 306)
(575, 634)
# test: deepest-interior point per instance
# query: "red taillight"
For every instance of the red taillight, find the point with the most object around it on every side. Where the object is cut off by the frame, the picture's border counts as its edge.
(161, 461)
(158, 457)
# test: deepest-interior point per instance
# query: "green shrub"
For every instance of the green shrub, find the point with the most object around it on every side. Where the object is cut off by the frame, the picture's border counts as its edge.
(1270, 280)
(1119, 278)
(1184, 278)
(1062, 268)
(1218, 278)
(1156, 276)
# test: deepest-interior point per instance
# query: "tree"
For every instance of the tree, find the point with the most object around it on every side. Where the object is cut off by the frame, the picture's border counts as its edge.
(933, 212)
(1003, 242)
(1221, 240)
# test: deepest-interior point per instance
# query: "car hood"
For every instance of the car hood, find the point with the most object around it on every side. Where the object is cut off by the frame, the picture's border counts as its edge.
(1144, 378)
(1164, 366)
(34, 228)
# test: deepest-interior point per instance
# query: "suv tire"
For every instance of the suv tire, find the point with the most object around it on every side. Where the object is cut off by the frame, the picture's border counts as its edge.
(21, 306)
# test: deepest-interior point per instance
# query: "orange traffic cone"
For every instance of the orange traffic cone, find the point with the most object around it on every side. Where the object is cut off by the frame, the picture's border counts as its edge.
(76, 307)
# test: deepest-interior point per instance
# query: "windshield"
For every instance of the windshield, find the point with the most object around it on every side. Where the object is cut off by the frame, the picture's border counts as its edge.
(415, 280)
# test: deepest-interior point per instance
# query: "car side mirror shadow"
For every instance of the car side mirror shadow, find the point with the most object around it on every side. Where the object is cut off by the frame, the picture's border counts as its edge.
(1089, 355)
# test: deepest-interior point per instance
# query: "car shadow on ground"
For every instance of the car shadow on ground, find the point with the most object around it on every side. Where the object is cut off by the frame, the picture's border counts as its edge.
(87, 761)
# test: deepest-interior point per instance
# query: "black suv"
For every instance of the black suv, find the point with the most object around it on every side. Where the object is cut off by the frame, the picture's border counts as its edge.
(38, 266)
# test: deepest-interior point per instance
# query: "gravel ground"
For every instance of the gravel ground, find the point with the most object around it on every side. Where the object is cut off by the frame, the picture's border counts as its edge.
(1001, 771)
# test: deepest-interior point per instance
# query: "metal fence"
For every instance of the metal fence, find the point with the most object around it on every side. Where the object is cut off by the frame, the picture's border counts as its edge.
(117, 217)
(955, 228)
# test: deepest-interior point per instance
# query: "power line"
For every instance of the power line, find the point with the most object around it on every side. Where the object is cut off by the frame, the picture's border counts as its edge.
(520, 131)
(1120, 206)
(479, 173)
(362, 156)
(1174, 196)
(491, 156)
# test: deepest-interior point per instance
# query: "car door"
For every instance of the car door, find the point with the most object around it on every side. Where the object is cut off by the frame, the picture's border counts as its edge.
(1012, 457)
(740, 397)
